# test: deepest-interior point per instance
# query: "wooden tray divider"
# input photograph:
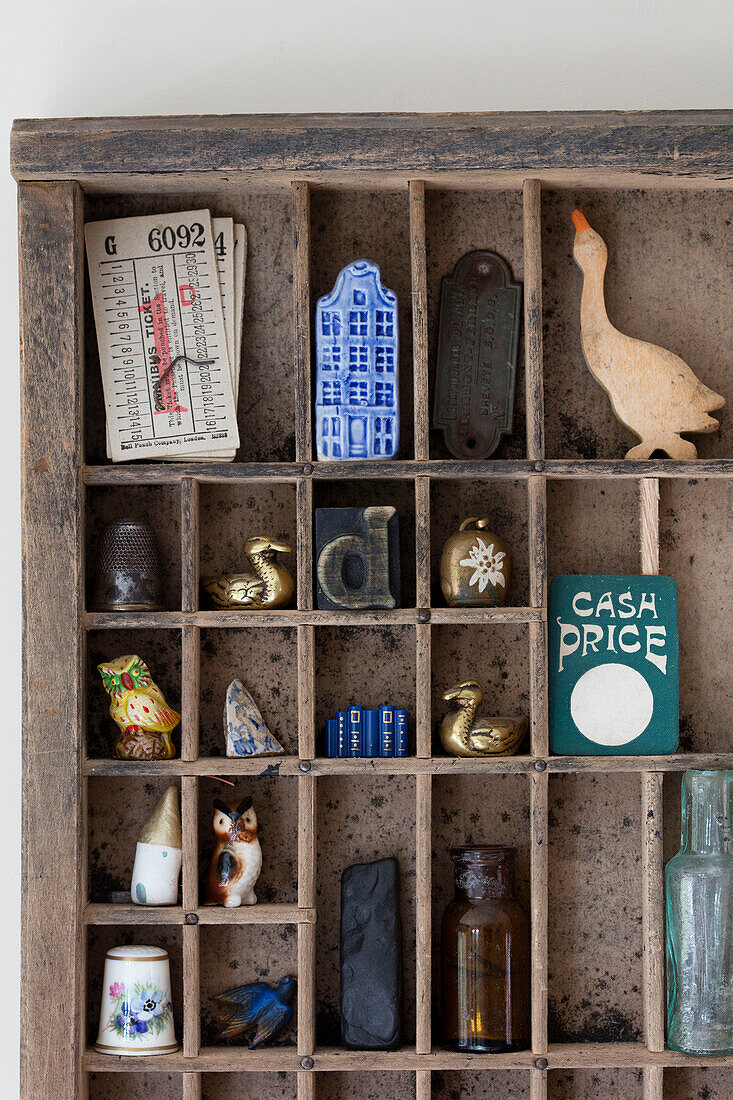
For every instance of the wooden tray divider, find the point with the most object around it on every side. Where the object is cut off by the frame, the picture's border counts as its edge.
(191, 935)
(301, 303)
(533, 319)
(423, 921)
(423, 1084)
(306, 1085)
(537, 1084)
(419, 274)
(653, 1082)
(537, 535)
(191, 1089)
(652, 836)
(189, 544)
(190, 688)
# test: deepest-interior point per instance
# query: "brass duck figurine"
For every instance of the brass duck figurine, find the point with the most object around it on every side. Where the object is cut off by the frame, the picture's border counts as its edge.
(462, 734)
(269, 585)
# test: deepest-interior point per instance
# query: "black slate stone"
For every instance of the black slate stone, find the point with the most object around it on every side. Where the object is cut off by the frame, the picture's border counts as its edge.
(371, 956)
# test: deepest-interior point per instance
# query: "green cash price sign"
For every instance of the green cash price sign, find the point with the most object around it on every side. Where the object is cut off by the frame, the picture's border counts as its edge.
(613, 665)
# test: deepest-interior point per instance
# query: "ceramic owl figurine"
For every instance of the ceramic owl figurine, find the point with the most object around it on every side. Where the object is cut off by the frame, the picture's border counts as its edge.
(237, 859)
(139, 708)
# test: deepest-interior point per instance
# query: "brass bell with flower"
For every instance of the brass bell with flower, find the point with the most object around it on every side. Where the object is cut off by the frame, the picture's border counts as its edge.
(475, 567)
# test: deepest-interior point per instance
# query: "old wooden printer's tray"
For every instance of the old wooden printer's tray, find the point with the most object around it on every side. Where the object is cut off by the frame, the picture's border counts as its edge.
(412, 193)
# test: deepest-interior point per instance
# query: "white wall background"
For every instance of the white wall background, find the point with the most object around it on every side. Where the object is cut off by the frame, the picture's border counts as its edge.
(137, 57)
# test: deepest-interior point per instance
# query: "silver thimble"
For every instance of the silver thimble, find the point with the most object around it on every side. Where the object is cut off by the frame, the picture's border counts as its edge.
(127, 576)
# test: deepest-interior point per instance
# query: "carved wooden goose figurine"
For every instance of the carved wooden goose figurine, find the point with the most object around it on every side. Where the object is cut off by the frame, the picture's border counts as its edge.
(269, 586)
(461, 734)
(652, 391)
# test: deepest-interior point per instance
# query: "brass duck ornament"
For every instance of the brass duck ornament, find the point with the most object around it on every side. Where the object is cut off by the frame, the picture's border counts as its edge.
(652, 391)
(463, 734)
(269, 585)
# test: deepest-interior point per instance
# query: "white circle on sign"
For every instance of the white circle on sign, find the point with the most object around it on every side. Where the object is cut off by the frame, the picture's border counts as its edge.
(611, 704)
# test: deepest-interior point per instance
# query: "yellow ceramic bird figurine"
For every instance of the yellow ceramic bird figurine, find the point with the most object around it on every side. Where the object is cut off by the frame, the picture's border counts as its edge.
(652, 391)
(270, 584)
(139, 708)
(462, 734)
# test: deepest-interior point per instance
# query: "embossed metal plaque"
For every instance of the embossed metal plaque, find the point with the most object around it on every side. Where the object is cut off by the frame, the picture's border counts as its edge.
(477, 355)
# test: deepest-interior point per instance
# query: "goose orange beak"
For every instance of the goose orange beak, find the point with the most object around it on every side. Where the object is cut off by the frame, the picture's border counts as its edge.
(579, 221)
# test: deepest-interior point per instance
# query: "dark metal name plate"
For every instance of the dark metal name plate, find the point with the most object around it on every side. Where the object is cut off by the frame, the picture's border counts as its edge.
(477, 355)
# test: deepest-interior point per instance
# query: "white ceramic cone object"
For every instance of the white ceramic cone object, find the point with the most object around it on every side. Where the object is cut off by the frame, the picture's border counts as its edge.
(136, 1015)
(159, 854)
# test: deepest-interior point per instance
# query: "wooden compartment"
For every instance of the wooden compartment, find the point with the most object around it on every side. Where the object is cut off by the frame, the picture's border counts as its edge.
(233, 955)
(161, 652)
(414, 194)
(360, 819)
(606, 1084)
(697, 1083)
(249, 1086)
(148, 1086)
(460, 221)
(667, 265)
(475, 809)
(276, 806)
(102, 938)
(348, 225)
(475, 1084)
(266, 410)
(366, 1086)
(158, 505)
(595, 939)
(230, 514)
(695, 549)
(266, 661)
(495, 655)
(505, 504)
(363, 494)
(117, 808)
(346, 660)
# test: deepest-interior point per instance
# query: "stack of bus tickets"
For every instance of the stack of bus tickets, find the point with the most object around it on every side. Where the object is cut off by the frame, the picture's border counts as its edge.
(168, 296)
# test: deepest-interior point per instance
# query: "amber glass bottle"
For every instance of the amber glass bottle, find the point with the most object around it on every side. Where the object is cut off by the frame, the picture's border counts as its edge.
(485, 955)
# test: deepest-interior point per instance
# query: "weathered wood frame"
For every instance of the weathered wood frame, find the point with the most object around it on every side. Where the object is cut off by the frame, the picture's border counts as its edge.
(54, 161)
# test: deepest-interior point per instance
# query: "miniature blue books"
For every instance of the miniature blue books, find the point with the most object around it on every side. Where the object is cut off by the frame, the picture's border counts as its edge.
(357, 367)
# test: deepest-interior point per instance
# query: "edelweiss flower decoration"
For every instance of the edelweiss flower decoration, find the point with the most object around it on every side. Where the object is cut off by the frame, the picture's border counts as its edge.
(488, 566)
(475, 569)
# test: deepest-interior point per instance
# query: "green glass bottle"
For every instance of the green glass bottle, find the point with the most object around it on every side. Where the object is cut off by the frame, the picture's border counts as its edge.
(699, 900)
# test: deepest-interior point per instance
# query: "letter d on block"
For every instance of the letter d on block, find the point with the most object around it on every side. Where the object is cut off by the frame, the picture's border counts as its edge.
(358, 558)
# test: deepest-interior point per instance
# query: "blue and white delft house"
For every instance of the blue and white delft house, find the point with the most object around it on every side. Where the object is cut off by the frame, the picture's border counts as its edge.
(357, 367)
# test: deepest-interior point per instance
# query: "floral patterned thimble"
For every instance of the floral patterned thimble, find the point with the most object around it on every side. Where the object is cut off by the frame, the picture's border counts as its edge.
(136, 1016)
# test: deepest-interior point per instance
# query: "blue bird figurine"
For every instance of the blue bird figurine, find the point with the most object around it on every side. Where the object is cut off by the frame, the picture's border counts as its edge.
(259, 1008)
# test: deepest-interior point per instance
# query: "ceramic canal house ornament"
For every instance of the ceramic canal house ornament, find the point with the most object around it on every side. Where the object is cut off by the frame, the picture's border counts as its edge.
(652, 391)
(357, 558)
(477, 355)
(139, 708)
(462, 733)
(269, 585)
(246, 731)
(158, 854)
(475, 569)
(614, 665)
(237, 858)
(357, 367)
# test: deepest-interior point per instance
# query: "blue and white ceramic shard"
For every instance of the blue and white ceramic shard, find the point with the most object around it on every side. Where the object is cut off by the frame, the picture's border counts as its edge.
(246, 732)
(357, 367)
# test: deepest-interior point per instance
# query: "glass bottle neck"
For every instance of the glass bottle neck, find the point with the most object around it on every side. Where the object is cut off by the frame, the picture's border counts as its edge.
(707, 813)
(478, 879)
